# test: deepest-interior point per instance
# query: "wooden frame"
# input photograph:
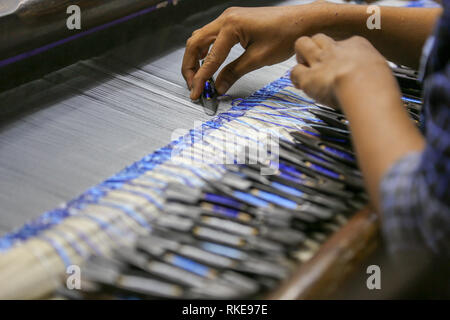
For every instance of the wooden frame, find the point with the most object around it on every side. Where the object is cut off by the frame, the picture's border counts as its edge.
(337, 258)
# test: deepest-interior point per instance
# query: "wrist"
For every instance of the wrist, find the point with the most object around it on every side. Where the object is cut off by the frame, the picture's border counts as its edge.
(338, 21)
(307, 19)
(373, 86)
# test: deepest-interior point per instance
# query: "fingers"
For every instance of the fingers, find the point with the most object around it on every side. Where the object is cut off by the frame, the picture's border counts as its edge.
(307, 50)
(323, 41)
(299, 74)
(216, 56)
(189, 72)
(196, 49)
(246, 63)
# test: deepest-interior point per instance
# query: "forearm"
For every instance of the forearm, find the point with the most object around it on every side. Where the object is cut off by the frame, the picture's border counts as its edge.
(400, 39)
(381, 129)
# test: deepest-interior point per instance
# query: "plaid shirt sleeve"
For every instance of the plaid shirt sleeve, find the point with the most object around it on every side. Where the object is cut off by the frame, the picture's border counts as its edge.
(415, 191)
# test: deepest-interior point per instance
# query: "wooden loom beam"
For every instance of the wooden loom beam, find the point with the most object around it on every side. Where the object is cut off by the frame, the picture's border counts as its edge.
(336, 259)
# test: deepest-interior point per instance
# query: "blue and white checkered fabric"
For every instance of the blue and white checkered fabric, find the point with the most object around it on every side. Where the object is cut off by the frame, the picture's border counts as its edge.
(415, 192)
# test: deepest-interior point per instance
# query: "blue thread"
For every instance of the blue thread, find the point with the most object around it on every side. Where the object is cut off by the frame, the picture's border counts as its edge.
(342, 154)
(325, 171)
(287, 189)
(276, 199)
(246, 197)
(232, 213)
(86, 239)
(74, 245)
(190, 265)
(148, 163)
(131, 213)
(223, 250)
(291, 170)
(411, 100)
(215, 198)
(105, 226)
(59, 250)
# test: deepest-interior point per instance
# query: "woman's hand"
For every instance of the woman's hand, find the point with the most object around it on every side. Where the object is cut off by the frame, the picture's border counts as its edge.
(267, 34)
(352, 75)
(326, 67)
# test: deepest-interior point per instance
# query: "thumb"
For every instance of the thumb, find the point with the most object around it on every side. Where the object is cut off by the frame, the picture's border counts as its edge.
(299, 74)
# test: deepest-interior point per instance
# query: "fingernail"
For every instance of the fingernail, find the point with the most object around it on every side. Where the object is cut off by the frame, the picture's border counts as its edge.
(223, 87)
(192, 97)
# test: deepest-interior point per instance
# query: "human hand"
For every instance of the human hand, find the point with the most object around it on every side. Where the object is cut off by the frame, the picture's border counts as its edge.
(327, 66)
(267, 34)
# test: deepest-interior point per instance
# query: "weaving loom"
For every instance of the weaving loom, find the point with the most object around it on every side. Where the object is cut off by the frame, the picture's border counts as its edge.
(121, 106)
